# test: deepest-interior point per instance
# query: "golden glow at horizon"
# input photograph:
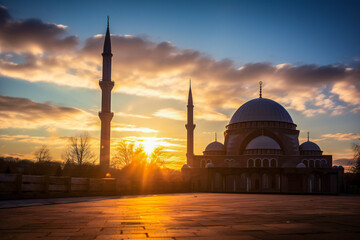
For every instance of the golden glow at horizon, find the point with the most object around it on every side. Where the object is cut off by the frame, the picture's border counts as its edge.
(149, 146)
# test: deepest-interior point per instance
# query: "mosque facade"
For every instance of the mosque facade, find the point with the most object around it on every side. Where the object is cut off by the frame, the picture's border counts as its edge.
(260, 153)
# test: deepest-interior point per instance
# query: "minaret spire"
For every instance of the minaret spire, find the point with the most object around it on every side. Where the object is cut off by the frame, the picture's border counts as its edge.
(260, 83)
(105, 114)
(190, 126)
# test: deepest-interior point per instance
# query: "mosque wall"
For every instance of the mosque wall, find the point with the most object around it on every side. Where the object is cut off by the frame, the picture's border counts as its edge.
(245, 180)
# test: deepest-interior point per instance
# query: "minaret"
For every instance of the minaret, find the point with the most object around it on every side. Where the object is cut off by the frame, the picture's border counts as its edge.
(190, 126)
(106, 115)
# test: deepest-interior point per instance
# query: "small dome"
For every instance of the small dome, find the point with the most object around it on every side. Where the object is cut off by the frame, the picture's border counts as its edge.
(261, 109)
(300, 165)
(309, 146)
(209, 165)
(185, 166)
(215, 146)
(263, 142)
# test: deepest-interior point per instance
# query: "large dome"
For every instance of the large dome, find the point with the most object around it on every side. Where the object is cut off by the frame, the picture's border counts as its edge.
(261, 109)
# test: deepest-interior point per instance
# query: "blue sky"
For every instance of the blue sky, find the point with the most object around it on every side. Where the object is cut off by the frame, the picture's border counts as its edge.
(307, 53)
(319, 32)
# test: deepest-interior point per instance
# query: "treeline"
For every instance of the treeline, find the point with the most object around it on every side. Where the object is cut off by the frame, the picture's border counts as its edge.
(141, 171)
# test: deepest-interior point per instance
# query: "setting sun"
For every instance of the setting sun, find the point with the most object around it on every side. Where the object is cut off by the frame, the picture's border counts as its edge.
(149, 145)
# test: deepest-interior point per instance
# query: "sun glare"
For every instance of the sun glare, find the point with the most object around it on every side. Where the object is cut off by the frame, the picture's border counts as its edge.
(149, 146)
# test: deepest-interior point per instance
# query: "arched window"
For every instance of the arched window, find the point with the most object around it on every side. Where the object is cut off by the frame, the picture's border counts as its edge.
(273, 163)
(317, 163)
(257, 184)
(258, 163)
(265, 163)
(248, 184)
(311, 164)
(250, 163)
(311, 183)
(273, 182)
(243, 181)
(265, 179)
(278, 182)
(203, 163)
(305, 162)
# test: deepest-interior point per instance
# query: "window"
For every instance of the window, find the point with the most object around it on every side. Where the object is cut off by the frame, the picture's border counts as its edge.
(265, 163)
(251, 163)
(273, 163)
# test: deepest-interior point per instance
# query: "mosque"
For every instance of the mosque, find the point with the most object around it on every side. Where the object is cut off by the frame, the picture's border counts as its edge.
(261, 153)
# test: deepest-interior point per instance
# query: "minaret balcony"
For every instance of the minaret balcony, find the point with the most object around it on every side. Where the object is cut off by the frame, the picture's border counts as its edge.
(106, 85)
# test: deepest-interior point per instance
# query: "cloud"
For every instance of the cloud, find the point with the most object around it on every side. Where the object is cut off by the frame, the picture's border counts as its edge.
(24, 113)
(342, 136)
(40, 140)
(120, 127)
(123, 114)
(27, 114)
(304, 139)
(203, 113)
(33, 35)
(171, 113)
(161, 70)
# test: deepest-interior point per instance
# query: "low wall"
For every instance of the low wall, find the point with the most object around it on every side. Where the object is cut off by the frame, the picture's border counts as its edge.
(30, 186)
(17, 185)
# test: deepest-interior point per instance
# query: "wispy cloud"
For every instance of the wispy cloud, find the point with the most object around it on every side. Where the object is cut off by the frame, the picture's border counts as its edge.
(120, 127)
(202, 113)
(342, 136)
(33, 35)
(171, 113)
(27, 114)
(124, 114)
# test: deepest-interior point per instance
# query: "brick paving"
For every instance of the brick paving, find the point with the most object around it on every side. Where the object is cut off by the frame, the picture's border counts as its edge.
(185, 216)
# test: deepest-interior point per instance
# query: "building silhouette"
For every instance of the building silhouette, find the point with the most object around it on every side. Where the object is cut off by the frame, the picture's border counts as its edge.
(105, 114)
(261, 153)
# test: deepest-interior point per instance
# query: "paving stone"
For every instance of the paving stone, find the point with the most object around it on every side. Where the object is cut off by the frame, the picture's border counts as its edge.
(184, 216)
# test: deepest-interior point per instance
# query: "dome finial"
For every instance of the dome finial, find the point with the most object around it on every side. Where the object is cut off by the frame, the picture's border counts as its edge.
(260, 83)
(308, 136)
(215, 137)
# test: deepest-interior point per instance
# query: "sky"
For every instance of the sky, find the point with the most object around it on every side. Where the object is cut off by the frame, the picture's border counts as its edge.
(307, 54)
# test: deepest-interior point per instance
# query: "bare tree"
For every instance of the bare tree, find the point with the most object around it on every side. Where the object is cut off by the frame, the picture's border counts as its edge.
(356, 150)
(43, 154)
(79, 150)
(127, 153)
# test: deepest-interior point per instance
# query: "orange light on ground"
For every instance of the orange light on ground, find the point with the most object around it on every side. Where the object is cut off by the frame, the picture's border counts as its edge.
(107, 175)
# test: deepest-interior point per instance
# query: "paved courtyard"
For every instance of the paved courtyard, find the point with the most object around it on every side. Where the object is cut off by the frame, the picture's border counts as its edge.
(184, 216)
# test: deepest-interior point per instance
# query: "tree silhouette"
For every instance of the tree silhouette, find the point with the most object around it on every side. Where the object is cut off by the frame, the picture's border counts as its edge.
(43, 154)
(127, 153)
(159, 156)
(356, 168)
(79, 151)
